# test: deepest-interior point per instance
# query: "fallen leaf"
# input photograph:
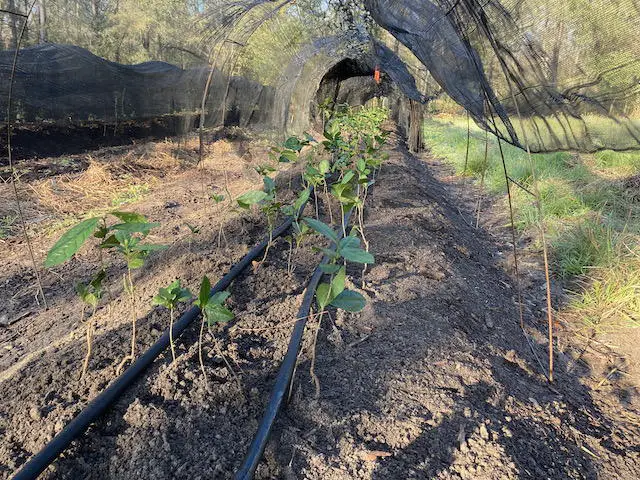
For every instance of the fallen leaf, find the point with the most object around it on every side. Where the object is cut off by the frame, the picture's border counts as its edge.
(373, 455)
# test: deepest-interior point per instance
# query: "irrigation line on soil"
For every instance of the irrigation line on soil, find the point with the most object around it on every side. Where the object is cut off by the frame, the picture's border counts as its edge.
(39, 462)
(285, 374)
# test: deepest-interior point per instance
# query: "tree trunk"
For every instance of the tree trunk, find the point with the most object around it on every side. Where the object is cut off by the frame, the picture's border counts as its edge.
(13, 24)
(554, 61)
(42, 17)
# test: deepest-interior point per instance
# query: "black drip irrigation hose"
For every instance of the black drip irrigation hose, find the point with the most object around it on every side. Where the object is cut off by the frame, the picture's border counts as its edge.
(285, 374)
(39, 462)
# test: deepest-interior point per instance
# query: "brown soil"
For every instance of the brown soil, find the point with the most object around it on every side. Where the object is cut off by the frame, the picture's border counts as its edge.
(435, 379)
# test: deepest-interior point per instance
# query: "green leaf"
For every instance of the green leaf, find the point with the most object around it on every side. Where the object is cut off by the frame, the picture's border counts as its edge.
(269, 184)
(337, 284)
(251, 198)
(329, 268)
(101, 232)
(81, 290)
(347, 177)
(220, 297)
(150, 247)
(332, 130)
(135, 262)
(328, 253)
(183, 295)
(96, 283)
(70, 242)
(293, 143)
(135, 227)
(130, 217)
(322, 228)
(323, 295)
(349, 242)
(356, 255)
(350, 301)
(205, 291)
(301, 200)
(160, 301)
(110, 242)
(324, 166)
(216, 313)
(288, 156)
(194, 229)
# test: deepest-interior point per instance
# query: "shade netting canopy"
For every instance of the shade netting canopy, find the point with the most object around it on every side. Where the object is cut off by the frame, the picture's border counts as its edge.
(541, 75)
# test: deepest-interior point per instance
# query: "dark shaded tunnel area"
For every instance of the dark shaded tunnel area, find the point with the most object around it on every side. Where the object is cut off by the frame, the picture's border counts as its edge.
(349, 81)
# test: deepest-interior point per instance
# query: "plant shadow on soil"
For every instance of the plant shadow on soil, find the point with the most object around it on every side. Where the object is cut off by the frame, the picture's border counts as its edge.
(446, 383)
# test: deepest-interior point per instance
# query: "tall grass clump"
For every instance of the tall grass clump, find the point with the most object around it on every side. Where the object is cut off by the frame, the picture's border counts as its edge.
(590, 212)
(608, 299)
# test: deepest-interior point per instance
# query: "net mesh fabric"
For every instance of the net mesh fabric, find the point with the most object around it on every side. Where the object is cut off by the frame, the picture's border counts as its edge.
(520, 72)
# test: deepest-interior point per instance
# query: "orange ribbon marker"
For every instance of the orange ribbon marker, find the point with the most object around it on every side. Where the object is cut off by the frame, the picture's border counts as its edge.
(376, 75)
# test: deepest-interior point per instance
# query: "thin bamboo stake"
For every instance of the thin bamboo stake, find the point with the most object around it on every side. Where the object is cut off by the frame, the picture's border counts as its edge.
(14, 186)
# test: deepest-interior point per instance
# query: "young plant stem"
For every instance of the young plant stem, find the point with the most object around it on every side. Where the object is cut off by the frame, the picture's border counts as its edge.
(482, 179)
(224, 358)
(200, 337)
(326, 194)
(201, 173)
(127, 280)
(134, 317)
(541, 227)
(364, 238)
(221, 235)
(173, 347)
(266, 250)
(90, 332)
(315, 197)
(289, 266)
(226, 186)
(312, 372)
(23, 222)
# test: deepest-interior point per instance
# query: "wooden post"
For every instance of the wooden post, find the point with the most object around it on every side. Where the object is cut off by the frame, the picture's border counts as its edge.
(416, 119)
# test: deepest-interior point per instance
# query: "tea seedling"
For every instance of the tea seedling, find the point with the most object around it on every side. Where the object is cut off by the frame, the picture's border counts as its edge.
(128, 244)
(169, 298)
(90, 294)
(125, 237)
(347, 249)
(194, 231)
(218, 199)
(213, 312)
(334, 292)
(268, 204)
(300, 230)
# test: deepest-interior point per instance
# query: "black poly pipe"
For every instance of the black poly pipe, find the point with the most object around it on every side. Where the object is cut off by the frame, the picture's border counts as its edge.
(39, 462)
(285, 374)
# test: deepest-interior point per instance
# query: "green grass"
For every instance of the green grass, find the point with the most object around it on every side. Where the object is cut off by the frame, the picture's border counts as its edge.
(132, 194)
(591, 219)
(7, 223)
